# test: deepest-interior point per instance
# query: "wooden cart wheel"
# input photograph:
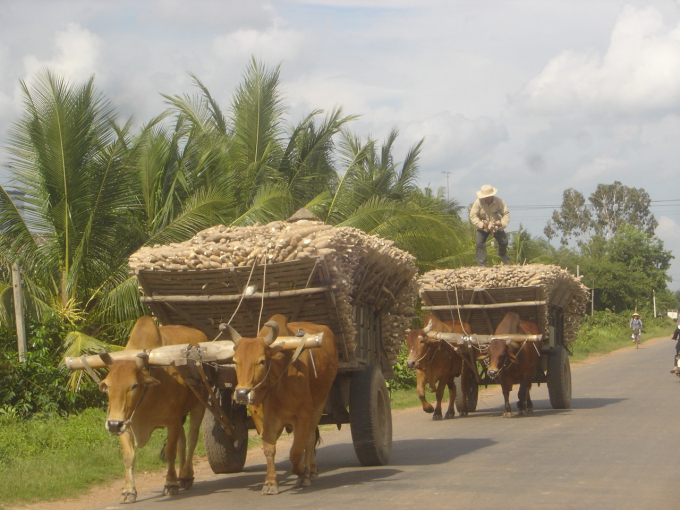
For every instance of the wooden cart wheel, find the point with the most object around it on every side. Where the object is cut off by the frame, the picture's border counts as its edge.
(472, 394)
(559, 379)
(370, 417)
(226, 454)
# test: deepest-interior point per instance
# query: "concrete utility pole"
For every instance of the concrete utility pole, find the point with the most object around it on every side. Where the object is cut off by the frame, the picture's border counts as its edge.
(19, 312)
(654, 299)
(447, 185)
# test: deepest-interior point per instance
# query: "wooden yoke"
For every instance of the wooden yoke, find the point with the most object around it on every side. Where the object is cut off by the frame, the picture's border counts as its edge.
(460, 339)
(220, 351)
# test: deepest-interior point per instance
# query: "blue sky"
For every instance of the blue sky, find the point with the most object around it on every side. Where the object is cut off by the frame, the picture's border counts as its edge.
(531, 96)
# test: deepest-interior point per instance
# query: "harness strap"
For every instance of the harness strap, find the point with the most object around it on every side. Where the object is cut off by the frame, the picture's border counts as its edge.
(87, 366)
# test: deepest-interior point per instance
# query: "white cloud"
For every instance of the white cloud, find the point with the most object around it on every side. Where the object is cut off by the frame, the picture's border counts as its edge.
(276, 44)
(638, 73)
(455, 141)
(77, 55)
(602, 169)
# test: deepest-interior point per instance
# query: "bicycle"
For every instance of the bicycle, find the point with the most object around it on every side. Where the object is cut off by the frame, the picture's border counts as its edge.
(636, 337)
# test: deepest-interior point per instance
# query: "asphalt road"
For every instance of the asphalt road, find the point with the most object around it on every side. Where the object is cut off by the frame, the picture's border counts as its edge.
(618, 447)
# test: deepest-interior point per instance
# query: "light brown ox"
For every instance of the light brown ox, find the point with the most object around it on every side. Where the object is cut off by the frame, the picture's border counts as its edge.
(282, 394)
(142, 400)
(514, 362)
(437, 363)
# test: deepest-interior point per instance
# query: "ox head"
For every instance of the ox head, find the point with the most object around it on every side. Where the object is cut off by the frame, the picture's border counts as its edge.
(252, 357)
(417, 345)
(499, 352)
(125, 384)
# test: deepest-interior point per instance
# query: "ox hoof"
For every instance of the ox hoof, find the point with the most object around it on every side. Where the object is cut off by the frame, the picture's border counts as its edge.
(128, 497)
(507, 414)
(170, 489)
(303, 481)
(530, 410)
(463, 414)
(450, 415)
(270, 489)
(186, 483)
(522, 412)
(428, 410)
(314, 477)
(436, 417)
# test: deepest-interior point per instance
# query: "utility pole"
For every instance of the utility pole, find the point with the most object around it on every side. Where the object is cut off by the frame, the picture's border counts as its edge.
(19, 312)
(447, 185)
(654, 299)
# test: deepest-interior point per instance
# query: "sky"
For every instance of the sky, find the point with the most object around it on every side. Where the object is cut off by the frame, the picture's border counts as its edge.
(530, 96)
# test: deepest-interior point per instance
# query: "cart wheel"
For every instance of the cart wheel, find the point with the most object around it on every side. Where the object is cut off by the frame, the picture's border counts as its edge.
(559, 379)
(370, 417)
(472, 394)
(226, 454)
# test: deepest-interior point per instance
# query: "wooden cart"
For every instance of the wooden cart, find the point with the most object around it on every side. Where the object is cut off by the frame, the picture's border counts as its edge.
(301, 290)
(484, 309)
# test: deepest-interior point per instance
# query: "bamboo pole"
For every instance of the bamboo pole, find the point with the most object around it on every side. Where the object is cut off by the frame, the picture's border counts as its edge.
(483, 306)
(222, 298)
(460, 339)
(19, 312)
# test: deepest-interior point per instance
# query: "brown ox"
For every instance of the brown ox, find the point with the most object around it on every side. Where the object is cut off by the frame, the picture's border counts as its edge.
(514, 362)
(437, 363)
(285, 393)
(142, 400)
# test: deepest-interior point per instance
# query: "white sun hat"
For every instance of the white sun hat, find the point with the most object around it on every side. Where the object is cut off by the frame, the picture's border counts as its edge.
(486, 191)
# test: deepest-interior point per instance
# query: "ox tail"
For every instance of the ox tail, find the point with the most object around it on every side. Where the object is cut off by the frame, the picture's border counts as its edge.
(318, 438)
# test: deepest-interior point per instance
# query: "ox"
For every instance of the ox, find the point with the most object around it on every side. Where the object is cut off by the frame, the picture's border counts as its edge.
(514, 362)
(437, 363)
(283, 392)
(142, 400)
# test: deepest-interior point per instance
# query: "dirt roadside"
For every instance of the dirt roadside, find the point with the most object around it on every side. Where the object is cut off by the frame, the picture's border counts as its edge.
(152, 481)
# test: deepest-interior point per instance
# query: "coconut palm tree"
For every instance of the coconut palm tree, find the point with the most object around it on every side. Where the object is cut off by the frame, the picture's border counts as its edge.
(380, 196)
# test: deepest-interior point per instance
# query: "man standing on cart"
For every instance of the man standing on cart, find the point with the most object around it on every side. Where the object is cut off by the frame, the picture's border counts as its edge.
(490, 215)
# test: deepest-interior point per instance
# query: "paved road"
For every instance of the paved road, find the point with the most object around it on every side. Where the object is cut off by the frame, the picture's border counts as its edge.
(617, 448)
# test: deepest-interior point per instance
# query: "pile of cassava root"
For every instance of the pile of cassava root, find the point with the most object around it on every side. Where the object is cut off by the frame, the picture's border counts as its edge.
(345, 250)
(532, 275)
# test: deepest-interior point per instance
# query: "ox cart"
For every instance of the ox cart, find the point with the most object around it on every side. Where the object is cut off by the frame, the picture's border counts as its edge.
(302, 290)
(553, 301)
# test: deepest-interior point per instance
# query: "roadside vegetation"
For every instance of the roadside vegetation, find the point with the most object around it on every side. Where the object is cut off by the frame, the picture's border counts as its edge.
(93, 190)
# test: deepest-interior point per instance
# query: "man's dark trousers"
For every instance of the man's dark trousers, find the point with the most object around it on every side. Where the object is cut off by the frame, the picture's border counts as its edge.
(480, 242)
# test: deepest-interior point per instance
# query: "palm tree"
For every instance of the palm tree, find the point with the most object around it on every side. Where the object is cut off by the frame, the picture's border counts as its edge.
(70, 161)
(525, 249)
(380, 196)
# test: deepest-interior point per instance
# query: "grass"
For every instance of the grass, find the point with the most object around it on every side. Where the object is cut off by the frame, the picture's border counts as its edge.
(55, 458)
(608, 337)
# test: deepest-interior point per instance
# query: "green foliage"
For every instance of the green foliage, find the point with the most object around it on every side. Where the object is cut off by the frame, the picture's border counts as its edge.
(405, 378)
(625, 270)
(611, 207)
(605, 331)
(38, 385)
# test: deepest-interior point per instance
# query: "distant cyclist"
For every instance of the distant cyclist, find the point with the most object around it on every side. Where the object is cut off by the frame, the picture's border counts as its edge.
(636, 326)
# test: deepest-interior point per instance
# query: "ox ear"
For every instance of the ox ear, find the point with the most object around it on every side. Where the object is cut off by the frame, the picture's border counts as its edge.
(511, 354)
(103, 386)
(231, 333)
(273, 332)
(275, 349)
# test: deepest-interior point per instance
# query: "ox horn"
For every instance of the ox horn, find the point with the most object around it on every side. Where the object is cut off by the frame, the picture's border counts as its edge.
(105, 357)
(273, 333)
(428, 327)
(230, 332)
(508, 342)
(141, 360)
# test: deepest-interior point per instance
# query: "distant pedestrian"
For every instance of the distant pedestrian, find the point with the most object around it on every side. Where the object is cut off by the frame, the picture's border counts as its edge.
(490, 215)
